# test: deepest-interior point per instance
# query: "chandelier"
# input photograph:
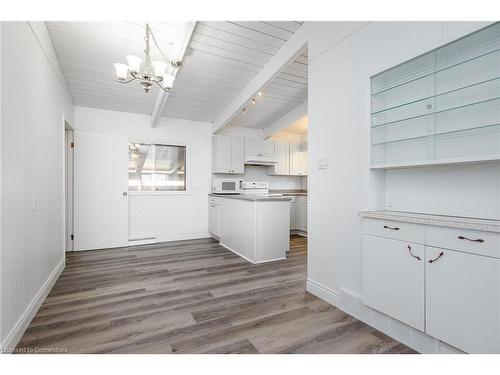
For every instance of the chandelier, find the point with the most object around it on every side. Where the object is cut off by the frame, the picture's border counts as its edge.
(160, 72)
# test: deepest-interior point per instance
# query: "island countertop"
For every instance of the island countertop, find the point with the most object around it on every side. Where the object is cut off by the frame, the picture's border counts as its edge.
(252, 198)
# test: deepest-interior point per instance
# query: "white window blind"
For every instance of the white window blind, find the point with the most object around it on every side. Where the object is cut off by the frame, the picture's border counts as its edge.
(442, 105)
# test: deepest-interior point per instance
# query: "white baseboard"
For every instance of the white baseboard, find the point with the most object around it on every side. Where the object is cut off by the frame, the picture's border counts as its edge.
(352, 304)
(323, 292)
(23, 322)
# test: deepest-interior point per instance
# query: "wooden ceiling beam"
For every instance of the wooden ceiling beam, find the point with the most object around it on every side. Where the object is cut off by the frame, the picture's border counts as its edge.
(178, 51)
(279, 62)
(285, 121)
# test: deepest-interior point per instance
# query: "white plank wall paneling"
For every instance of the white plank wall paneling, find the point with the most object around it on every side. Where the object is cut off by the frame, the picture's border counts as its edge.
(150, 215)
(32, 242)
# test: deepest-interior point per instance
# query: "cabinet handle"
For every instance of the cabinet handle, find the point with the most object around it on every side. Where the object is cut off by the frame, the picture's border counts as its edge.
(439, 256)
(393, 228)
(468, 239)
(413, 255)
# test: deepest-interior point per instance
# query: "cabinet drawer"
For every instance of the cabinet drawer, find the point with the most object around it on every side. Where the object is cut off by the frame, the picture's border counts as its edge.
(395, 229)
(470, 241)
(213, 200)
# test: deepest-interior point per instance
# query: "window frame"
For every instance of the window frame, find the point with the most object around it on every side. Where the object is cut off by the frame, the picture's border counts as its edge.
(187, 172)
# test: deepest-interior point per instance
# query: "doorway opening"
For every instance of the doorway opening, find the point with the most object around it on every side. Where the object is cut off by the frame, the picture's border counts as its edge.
(68, 186)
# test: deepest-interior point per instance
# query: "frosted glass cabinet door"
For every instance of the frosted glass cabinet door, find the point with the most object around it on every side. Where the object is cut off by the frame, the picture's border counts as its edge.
(441, 106)
(393, 279)
(463, 300)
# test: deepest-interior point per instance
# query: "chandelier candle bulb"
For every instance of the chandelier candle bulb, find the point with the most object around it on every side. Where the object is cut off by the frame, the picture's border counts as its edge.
(121, 71)
(134, 63)
(159, 68)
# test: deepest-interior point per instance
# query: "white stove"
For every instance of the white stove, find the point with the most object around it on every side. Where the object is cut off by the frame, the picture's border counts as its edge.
(258, 188)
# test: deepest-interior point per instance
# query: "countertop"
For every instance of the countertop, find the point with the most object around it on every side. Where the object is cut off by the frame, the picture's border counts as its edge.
(251, 198)
(487, 225)
(290, 192)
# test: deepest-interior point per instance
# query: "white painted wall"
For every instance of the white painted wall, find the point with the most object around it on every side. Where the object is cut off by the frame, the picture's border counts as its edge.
(343, 56)
(171, 216)
(34, 98)
(464, 190)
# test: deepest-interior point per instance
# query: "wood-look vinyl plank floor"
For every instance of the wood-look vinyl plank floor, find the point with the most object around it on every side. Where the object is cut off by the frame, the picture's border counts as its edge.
(193, 297)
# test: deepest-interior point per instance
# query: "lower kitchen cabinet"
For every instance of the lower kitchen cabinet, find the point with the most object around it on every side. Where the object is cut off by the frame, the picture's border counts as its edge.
(293, 214)
(301, 214)
(463, 300)
(393, 278)
(449, 276)
(214, 217)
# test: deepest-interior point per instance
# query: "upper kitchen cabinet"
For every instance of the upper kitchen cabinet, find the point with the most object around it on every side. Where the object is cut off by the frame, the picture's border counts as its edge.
(282, 167)
(228, 154)
(298, 159)
(258, 148)
(442, 107)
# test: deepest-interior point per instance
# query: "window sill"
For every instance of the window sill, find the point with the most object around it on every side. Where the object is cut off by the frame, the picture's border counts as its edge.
(156, 193)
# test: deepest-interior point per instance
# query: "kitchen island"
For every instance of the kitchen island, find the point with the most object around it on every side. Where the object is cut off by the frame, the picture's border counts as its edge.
(256, 228)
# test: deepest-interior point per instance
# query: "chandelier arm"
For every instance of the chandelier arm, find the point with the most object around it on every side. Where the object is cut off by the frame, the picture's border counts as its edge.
(163, 88)
(171, 62)
(127, 81)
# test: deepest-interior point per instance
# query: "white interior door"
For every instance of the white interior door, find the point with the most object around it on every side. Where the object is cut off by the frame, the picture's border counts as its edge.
(100, 190)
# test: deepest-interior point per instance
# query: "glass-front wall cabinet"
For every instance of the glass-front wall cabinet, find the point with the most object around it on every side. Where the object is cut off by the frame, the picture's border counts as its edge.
(441, 106)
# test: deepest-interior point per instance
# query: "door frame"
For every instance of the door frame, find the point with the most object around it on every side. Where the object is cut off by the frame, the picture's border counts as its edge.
(68, 185)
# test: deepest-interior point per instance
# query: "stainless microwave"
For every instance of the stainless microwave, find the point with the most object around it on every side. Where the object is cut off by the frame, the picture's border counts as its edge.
(227, 186)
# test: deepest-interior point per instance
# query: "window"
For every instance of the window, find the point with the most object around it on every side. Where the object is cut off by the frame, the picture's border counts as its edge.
(154, 167)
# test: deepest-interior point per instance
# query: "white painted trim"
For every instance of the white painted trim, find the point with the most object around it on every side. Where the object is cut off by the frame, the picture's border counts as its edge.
(179, 49)
(323, 292)
(279, 62)
(294, 115)
(352, 304)
(247, 259)
(156, 193)
(23, 322)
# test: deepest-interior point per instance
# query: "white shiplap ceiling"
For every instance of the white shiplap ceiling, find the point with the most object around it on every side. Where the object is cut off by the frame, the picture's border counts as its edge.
(221, 58)
(283, 94)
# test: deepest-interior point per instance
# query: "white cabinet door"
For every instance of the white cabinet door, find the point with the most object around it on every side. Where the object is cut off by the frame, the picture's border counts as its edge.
(282, 149)
(305, 159)
(237, 155)
(463, 300)
(255, 147)
(214, 219)
(221, 154)
(100, 190)
(293, 224)
(301, 216)
(298, 159)
(268, 149)
(393, 279)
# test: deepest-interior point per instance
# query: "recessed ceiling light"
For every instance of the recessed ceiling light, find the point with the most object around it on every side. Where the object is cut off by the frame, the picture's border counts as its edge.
(253, 101)
(259, 93)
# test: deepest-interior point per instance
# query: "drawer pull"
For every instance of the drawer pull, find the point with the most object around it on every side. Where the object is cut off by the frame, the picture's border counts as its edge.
(439, 256)
(413, 255)
(393, 228)
(468, 239)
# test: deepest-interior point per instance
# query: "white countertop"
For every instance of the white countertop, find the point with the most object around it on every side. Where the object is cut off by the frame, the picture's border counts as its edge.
(252, 198)
(487, 225)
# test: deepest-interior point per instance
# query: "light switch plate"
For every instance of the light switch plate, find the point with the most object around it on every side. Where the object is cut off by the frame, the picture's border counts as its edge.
(322, 163)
